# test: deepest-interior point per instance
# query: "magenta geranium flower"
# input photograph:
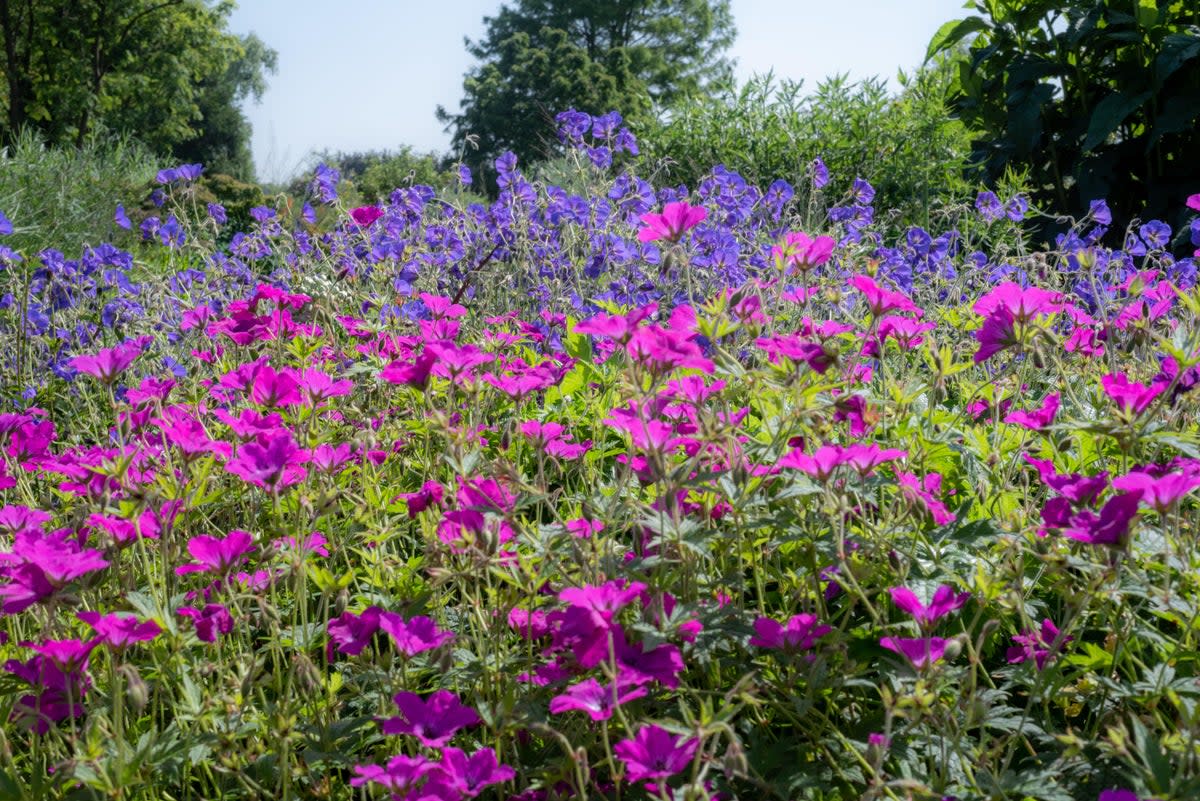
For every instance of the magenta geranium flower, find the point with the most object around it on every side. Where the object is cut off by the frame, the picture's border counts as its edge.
(1193, 202)
(461, 776)
(920, 651)
(675, 220)
(414, 636)
(802, 252)
(596, 699)
(120, 631)
(945, 600)
(1161, 493)
(655, 753)
(881, 301)
(352, 633)
(926, 492)
(402, 775)
(271, 460)
(1111, 527)
(433, 721)
(1035, 645)
(275, 388)
(108, 363)
(217, 555)
(997, 333)
(1039, 418)
(1021, 303)
(800, 634)
(1130, 396)
(366, 215)
(209, 622)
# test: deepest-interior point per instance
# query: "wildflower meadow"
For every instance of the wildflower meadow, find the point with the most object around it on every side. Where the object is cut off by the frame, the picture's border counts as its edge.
(615, 491)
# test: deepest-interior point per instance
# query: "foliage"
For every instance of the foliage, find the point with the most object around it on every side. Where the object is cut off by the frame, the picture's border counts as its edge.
(1097, 98)
(167, 72)
(65, 197)
(374, 174)
(541, 56)
(629, 492)
(768, 129)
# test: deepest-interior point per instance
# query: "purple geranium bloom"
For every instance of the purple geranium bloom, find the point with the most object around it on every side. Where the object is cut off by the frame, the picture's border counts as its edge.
(921, 651)
(6, 226)
(1111, 527)
(108, 363)
(217, 555)
(1035, 645)
(210, 621)
(401, 777)
(596, 699)
(121, 218)
(433, 721)
(466, 776)
(801, 633)
(413, 636)
(655, 753)
(120, 631)
(944, 601)
(352, 633)
(676, 218)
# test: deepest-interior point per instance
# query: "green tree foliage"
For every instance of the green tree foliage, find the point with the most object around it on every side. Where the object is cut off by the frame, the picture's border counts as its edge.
(166, 71)
(539, 57)
(904, 143)
(1096, 98)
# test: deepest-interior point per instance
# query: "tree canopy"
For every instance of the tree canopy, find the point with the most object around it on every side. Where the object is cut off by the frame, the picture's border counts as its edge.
(166, 71)
(1096, 98)
(539, 57)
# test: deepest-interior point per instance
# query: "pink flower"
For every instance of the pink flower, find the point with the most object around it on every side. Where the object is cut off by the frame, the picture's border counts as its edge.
(1161, 493)
(209, 622)
(1035, 645)
(655, 753)
(217, 555)
(461, 776)
(803, 252)
(1111, 527)
(1130, 396)
(1022, 304)
(596, 699)
(366, 215)
(676, 218)
(926, 492)
(801, 633)
(1038, 419)
(881, 301)
(1120, 795)
(401, 777)
(921, 652)
(108, 363)
(415, 635)
(944, 601)
(997, 333)
(352, 633)
(120, 631)
(271, 460)
(1193, 202)
(432, 721)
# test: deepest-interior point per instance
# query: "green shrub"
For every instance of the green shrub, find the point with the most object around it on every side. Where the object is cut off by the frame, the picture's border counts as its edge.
(768, 129)
(63, 197)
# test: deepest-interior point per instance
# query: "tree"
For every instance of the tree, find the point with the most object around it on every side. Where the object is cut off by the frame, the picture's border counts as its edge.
(540, 57)
(166, 71)
(1097, 98)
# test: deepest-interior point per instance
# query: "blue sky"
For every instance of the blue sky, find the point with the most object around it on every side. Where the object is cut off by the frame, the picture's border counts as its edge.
(368, 74)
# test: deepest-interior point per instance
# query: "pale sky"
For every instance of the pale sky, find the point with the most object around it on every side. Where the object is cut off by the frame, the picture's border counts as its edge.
(368, 74)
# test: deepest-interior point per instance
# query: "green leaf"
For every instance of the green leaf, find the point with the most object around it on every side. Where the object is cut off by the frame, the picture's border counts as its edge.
(1110, 113)
(952, 33)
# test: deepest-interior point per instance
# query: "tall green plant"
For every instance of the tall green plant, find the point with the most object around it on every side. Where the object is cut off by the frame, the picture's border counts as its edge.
(767, 129)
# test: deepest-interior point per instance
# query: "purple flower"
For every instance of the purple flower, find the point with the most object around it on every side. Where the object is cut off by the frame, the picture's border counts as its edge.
(108, 363)
(801, 633)
(217, 212)
(989, 206)
(466, 776)
(1035, 645)
(1130, 396)
(413, 636)
(596, 699)
(214, 619)
(433, 721)
(820, 173)
(1111, 527)
(402, 776)
(655, 753)
(1100, 212)
(120, 631)
(122, 219)
(1156, 234)
(921, 651)
(944, 601)
(217, 555)
(1016, 208)
(464, 175)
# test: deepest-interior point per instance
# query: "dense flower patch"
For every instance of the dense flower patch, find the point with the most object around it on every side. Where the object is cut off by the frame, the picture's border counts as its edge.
(632, 494)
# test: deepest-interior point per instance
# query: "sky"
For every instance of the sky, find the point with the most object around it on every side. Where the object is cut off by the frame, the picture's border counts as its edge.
(369, 74)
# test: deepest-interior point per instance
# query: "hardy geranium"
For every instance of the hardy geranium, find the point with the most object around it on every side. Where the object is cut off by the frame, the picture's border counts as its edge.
(676, 219)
